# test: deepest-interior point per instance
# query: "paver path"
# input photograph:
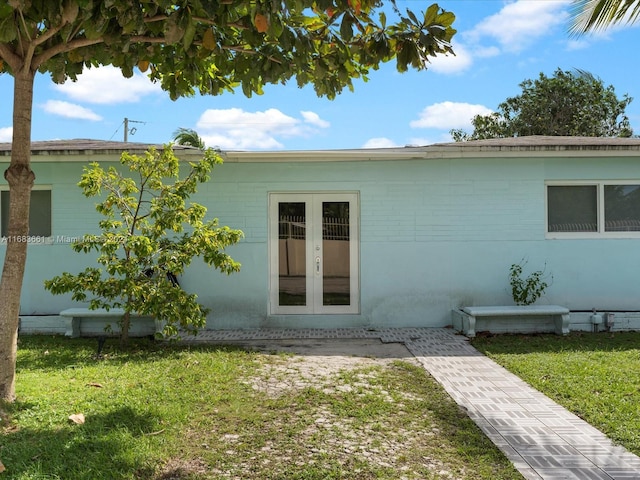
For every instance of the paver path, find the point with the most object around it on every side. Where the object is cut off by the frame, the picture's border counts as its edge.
(541, 438)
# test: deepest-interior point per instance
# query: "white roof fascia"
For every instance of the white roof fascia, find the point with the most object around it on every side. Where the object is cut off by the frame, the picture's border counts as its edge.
(518, 147)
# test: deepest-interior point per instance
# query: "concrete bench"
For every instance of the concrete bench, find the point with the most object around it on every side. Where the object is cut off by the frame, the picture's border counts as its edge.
(467, 316)
(84, 322)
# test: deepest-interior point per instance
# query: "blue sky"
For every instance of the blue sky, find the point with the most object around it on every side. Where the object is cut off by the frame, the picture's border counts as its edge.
(498, 45)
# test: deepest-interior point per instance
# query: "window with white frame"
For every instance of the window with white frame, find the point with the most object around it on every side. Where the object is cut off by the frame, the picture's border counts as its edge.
(606, 208)
(39, 212)
(622, 208)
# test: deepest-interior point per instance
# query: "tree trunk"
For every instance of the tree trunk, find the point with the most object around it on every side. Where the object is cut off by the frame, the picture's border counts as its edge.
(124, 328)
(20, 179)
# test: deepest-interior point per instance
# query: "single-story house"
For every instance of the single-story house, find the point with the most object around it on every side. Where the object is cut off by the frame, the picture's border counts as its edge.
(394, 237)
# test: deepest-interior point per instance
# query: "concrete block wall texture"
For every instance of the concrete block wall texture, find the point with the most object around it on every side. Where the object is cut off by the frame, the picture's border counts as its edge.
(435, 234)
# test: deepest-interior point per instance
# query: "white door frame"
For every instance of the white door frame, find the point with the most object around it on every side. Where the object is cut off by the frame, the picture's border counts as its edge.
(314, 253)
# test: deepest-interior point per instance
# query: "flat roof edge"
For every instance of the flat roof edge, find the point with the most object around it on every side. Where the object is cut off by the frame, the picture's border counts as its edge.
(499, 148)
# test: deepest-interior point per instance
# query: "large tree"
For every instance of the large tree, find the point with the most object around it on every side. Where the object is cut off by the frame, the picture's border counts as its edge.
(591, 15)
(210, 46)
(571, 103)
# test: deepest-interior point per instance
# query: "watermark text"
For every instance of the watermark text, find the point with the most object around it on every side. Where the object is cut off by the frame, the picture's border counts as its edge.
(40, 239)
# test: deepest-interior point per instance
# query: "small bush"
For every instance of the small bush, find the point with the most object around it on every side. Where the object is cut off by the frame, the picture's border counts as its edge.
(526, 291)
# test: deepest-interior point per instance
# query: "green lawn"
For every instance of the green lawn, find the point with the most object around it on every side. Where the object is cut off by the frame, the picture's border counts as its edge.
(596, 376)
(159, 411)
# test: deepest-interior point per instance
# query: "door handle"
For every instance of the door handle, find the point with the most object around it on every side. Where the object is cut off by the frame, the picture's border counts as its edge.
(318, 264)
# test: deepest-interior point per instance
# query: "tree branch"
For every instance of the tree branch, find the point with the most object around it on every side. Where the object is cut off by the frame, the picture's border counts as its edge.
(46, 35)
(249, 52)
(24, 25)
(63, 47)
(9, 56)
(156, 18)
(34, 43)
(145, 39)
(206, 21)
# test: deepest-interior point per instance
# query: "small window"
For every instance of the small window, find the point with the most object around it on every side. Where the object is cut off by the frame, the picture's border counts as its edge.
(622, 208)
(39, 213)
(572, 208)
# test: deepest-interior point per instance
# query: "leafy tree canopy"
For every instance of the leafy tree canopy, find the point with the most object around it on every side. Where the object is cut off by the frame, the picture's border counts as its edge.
(217, 45)
(570, 103)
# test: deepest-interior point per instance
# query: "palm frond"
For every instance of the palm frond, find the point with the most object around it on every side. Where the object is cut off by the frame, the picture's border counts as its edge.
(188, 137)
(595, 15)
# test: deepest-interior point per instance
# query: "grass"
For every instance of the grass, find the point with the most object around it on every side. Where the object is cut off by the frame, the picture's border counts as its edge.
(596, 376)
(158, 411)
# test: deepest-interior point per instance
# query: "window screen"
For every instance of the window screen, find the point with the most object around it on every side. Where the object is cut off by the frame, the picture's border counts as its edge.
(622, 208)
(572, 208)
(39, 213)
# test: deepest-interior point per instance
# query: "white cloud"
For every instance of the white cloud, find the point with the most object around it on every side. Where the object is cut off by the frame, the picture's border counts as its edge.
(106, 85)
(236, 141)
(486, 52)
(235, 128)
(441, 137)
(6, 134)
(380, 142)
(580, 42)
(518, 24)
(577, 44)
(70, 110)
(448, 115)
(314, 119)
(450, 64)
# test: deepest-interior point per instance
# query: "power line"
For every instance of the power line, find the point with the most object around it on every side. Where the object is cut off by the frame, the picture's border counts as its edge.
(127, 130)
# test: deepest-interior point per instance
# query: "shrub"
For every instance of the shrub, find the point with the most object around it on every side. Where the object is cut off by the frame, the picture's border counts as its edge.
(526, 291)
(150, 233)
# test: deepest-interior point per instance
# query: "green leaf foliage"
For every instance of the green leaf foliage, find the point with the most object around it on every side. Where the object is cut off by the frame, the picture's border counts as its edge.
(215, 46)
(189, 137)
(150, 231)
(594, 15)
(525, 291)
(570, 103)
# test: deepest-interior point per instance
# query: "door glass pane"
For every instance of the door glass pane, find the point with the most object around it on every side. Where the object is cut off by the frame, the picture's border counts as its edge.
(622, 208)
(572, 208)
(292, 234)
(335, 254)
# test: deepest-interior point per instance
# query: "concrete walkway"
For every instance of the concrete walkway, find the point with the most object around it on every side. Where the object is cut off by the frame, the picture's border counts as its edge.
(542, 439)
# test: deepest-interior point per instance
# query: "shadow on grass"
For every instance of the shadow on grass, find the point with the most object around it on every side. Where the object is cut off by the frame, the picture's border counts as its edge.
(101, 448)
(549, 343)
(458, 432)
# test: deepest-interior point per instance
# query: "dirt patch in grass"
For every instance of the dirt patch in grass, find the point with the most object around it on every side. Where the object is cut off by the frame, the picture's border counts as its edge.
(311, 363)
(287, 410)
(182, 469)
(349, 409)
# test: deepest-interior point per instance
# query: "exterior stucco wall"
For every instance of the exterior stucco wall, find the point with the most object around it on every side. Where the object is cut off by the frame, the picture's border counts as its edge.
(436, 234)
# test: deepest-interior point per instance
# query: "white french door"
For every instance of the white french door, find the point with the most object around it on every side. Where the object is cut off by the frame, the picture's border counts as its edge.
(313, 253)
